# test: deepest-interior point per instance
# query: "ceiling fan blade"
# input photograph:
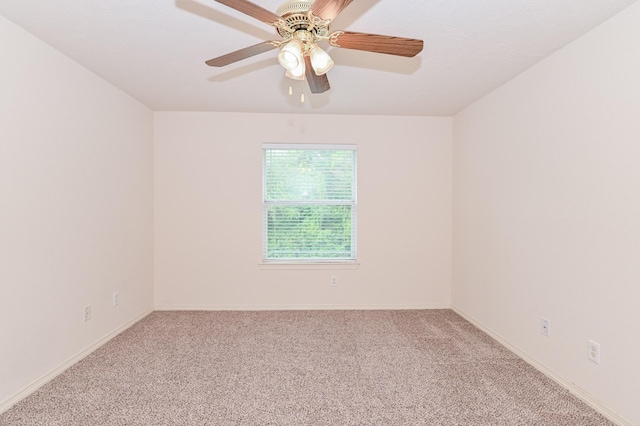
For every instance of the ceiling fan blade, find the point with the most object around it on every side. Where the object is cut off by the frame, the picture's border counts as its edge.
(252, 9)
(390, 45)
(241, 54)
(328, 9)
(317, 83)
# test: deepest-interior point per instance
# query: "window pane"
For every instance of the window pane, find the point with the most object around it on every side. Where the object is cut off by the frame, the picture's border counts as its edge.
(299, 175)
(303, 232)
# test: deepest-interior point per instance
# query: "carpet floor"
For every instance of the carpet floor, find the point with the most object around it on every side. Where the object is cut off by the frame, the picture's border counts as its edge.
(302, 368)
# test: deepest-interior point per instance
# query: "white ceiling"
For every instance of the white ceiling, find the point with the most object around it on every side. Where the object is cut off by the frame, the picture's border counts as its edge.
(155, 51)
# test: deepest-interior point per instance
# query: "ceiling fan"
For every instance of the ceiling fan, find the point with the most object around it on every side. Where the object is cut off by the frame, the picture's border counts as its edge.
(302, 24)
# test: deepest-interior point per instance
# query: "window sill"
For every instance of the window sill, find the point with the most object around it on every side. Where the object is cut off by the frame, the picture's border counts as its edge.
(309, 266)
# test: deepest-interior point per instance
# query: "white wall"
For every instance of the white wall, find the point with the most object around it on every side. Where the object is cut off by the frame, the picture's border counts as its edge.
(208, 219)
(76, 188)
(547, 212)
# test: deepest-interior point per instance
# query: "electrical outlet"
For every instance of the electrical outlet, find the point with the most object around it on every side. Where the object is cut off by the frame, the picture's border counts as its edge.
(87, 313)
(545, 326)
(334, 281)
(594, 352)
(116, 299)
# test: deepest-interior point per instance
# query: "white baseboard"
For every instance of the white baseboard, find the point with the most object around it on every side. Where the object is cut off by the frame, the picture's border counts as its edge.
(42, 380)
(298, 307)
(575, 390)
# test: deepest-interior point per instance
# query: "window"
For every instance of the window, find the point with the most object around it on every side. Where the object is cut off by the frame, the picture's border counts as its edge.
(309, 203)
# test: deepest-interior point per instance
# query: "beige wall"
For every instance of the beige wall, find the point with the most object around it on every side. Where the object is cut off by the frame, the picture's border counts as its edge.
(208, 219)
(75, 210)
(547, 212)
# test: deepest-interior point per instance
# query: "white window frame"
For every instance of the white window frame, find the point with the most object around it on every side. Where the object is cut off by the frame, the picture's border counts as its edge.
(352, 260)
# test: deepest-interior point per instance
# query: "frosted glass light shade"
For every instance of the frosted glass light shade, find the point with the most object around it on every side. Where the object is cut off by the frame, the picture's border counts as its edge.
(290, 56)
(320, 60)
(297, 73)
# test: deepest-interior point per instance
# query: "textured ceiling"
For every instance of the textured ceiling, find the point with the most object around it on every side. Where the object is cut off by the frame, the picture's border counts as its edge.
(155, 51)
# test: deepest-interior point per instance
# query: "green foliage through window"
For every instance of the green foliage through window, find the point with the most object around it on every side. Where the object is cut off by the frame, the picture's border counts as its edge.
(309, 203)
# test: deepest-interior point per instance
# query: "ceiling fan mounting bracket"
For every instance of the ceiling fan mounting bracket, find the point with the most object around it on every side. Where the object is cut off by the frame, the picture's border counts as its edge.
(275, 43)
(321, 24)
(333, 38)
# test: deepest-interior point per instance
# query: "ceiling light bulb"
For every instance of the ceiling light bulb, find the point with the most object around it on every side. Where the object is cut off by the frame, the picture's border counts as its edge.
(290, 56)
(320, 60)
(296, 73)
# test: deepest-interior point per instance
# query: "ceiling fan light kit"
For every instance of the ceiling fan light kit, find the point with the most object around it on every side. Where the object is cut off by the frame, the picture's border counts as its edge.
(302, 24)
(320, 60)
(290, 56)
(296, 73)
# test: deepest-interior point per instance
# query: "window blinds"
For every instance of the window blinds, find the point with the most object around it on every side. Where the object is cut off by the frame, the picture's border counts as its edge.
(309, 202)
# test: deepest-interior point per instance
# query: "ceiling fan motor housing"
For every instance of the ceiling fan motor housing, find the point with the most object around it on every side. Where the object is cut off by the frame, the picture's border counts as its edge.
(296, 15)
(294, 6)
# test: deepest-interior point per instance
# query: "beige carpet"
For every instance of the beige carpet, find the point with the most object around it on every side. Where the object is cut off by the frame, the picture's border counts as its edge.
(302, 368)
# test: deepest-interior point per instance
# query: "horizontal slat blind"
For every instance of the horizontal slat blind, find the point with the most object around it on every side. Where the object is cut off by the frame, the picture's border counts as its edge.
(309, 205)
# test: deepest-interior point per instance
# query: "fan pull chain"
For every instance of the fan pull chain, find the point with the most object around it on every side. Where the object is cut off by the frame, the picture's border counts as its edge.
(301, 90)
